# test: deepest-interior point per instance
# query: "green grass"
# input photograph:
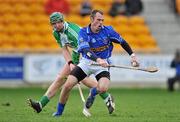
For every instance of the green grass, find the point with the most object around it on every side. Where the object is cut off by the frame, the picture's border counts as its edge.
(132, 105)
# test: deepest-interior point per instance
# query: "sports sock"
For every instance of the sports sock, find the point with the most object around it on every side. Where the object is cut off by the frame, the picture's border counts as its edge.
(44, 100)
(94, 92)
(60, 108)
(104, 95)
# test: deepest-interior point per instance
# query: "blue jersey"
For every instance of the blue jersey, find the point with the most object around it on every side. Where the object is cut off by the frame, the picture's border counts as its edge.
(100, 43)
(176, 64)
(178, 70)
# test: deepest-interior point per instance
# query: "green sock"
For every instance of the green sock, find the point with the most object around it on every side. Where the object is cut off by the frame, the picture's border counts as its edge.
(44, 100)
(104, 95)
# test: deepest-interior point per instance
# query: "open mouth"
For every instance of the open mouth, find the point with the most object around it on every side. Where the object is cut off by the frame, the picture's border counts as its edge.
(99, 27)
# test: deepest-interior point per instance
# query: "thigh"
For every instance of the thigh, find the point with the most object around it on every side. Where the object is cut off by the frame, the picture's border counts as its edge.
(89, 82)
(70, 82)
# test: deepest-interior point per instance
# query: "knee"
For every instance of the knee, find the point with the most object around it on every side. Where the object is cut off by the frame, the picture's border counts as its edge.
(102, 90)
(67, 86)
(61, 78)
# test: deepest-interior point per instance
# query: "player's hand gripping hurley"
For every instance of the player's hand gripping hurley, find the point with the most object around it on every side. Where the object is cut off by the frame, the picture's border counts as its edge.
(147, 69)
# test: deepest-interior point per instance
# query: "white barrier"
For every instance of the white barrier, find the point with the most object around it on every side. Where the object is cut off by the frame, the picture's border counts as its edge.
(44, 68)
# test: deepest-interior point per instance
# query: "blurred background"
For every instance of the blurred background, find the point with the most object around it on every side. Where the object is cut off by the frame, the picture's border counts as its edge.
(29, 54)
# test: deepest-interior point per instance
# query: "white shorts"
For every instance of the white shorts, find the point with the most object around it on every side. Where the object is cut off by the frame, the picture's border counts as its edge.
(85, 65)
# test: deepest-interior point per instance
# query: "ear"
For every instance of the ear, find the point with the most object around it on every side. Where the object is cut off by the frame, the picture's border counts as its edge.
(91, 18)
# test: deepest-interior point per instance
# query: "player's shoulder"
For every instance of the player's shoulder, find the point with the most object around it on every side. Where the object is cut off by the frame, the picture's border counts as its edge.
(54, 32)
(85, 27)
(71, 24)
(84, 30)
(107, 27)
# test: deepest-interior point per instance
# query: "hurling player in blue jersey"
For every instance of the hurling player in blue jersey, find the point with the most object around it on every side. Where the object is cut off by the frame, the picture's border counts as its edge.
(95, 45)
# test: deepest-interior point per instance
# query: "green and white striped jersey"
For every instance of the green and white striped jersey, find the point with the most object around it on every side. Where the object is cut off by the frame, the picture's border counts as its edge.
(69, 36)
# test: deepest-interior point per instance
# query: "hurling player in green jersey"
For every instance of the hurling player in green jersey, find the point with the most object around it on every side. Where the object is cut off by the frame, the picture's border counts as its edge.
(66, 35)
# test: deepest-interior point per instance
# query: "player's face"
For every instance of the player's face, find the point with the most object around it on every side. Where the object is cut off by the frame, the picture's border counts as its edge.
(58, 25)
(97, 22)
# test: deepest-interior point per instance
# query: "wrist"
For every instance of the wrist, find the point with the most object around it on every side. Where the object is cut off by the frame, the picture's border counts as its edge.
(132, 55)
(70, 62)
(98, 59)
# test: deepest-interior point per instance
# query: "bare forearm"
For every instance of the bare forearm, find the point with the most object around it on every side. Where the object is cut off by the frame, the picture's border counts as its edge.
(66, 54)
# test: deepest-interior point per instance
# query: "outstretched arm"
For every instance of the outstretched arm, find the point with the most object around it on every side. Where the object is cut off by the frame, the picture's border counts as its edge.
(128, 49)
(116, 38)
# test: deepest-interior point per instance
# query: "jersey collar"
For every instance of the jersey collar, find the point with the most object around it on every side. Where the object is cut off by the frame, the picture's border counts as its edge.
(88, 29)
(65, 26)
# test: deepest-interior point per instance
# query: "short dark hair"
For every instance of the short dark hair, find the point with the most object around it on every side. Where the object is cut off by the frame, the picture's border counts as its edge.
(177, 53)
(93, 13)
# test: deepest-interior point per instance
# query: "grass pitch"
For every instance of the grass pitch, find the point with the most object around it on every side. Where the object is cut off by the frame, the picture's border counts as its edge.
(132, 105)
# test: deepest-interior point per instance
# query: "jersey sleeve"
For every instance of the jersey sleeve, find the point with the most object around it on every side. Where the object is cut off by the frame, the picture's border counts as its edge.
(83, 41)
(114, 36)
